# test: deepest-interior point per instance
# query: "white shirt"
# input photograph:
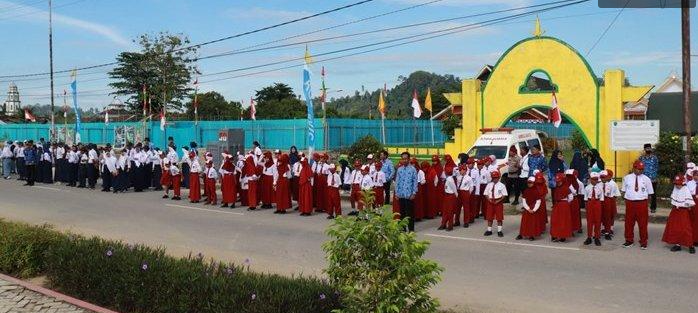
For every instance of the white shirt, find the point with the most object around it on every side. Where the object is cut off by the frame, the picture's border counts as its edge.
(297, 169)
(92, 156)
(421, 177)
(270, 171)
(691, 184)
(367, 182)
(610, 189)
(122, 162)
(644, 188)
(194, 165)
(110, 163)
(465, 183)
(524, 204)
(211, 173)
(356, 177)
(60, 152)
(346, 179)
(72, 157)
(19, 151)
(378, 179)
(475, 175)
(155, 159)
(484, 176)
(172, 156)
(174, 170)
(682, 198)
(6, 152)
(499, 190)
(525, 170)
(450, 186)
(333, 180)
(598, 189)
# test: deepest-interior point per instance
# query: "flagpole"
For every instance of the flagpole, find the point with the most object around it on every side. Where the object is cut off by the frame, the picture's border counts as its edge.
(65, 117)
(431, 122)
(383, 127)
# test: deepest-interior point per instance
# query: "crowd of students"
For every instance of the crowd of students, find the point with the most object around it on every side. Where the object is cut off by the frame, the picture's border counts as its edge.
(459, 194)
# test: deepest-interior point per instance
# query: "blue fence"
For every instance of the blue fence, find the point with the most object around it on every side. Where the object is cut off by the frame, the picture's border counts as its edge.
(272, 134)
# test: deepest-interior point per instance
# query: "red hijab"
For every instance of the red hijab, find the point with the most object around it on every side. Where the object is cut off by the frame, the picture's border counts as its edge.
(249, 169)
(306, 173)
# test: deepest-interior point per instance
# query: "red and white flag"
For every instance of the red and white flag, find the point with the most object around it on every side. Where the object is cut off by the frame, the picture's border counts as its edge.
(415, 105)
(29, 116)
(554, 114)
(253, 110)
(162, 120)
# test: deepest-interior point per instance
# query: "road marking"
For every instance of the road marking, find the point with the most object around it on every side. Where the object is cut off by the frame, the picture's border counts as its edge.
(505, 242)
(49, 188)
(202, 209)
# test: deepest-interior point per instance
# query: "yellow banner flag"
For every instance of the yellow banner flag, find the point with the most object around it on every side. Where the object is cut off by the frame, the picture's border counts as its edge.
(381, 104)
(427, 101)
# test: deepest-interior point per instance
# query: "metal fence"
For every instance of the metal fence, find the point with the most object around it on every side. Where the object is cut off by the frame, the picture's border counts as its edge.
(272, 134)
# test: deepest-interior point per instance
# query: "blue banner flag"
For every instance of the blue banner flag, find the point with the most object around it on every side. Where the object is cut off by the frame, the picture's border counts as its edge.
(74, 89)
(307, 93)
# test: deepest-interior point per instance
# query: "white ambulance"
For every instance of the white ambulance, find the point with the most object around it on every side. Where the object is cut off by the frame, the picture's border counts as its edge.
(497, 141)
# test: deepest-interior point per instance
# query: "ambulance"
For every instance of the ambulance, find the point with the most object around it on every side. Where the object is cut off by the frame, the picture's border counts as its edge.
(496, 141)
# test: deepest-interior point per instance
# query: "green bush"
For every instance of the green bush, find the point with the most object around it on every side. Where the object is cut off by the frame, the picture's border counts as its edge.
(131, 278)
(670, 152)
(577, 141)
(378, 267)
(363, 147)
(22, 248)
(449, 125)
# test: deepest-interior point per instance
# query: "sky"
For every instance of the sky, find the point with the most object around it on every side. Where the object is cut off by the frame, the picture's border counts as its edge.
(646, 43)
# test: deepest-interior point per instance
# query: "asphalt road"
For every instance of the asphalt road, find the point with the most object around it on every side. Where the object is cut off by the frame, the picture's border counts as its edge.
(483, 274)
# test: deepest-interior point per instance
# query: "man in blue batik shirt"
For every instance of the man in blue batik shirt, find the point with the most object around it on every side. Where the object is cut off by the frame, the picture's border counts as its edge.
(389, 171)
(406, 188)
(651, 170)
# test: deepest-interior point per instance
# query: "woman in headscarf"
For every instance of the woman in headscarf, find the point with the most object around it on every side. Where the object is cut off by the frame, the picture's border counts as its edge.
(282, 185)
(542, 189)
(267, 180)
(575, 211)
(250, 176)
(293, 156)
(434, 188)
(581, 165)
(305, 191)
(228, 182)
(421, 189)
(555, 165)
(560, 219)
(194, 182)
(596, 163)
(531, 203)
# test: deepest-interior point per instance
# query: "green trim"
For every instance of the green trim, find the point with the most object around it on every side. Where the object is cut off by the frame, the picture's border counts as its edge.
(591, 73)
(586, 139)
(523, 89)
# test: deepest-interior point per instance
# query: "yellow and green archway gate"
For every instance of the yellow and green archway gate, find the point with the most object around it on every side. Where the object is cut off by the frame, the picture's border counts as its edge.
(581, 97)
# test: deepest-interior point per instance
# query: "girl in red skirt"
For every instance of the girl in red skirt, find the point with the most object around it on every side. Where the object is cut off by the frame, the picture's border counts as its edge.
(210, 178)
(267, 180)
(531, 203)
(250, 177)
(378, 181)
(166, 178)
(194, 182)
(282, 185)
(608, 209)
(305, 191)
(228, 182)
(691, 185)
(435, 188)
(423, 201)
(541, 186)
(594, 196)
(450, 200)
(465, 187)
(560, 220)
(176, 179)
(575, 205)
(679, 231)
(334, 182)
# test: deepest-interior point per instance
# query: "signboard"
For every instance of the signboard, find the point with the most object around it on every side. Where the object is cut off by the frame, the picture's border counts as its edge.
(223, 135)
(632, 135)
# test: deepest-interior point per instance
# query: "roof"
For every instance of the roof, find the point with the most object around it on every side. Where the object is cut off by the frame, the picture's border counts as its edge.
(484, 73)
(671, 84)
(667, 107)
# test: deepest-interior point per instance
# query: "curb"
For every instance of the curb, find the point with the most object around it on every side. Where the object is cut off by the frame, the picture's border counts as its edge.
(58, 296)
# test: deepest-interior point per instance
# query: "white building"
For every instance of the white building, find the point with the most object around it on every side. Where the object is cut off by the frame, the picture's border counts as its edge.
(12, 105)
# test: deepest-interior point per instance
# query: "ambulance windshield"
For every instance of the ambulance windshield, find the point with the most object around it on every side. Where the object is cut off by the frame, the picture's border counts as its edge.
(482, 151)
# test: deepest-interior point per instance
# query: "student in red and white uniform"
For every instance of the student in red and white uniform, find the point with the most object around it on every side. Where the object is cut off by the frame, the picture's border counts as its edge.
(378, 182)
(228, 182)
(267, 180)
(494, 193)
(609, 207)
(334, 181)
(542, 187)
(194, 182)
(250, 179)
(531, 202)
(485, 178)
(176, 179)
(692, 184)
(366, 185)
(560, 220)
(210, 178)
(305, 189)
(575, 206)
(282, 184)
(594, 197)
(356, 178)
(678, 230)
(475, 195)
(435, 188)
(320, 170)
(690, 167)
(296, 171)
(637, 188)
(450, 200)
(165, 178)
(465, 187)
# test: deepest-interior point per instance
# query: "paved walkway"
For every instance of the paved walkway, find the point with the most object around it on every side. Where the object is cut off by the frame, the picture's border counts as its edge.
(15, 298)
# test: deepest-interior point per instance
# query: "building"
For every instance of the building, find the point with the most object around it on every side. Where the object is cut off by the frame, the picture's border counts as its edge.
(12, 105)
(117, 111)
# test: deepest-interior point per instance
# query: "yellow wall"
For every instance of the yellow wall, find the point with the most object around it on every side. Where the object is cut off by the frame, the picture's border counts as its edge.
(579, 97)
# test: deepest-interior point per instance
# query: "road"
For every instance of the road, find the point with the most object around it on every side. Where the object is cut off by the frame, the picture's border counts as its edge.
(485, 275)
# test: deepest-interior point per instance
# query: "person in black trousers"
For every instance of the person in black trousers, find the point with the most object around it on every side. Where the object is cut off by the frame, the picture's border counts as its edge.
(30, 159)
(406, 189)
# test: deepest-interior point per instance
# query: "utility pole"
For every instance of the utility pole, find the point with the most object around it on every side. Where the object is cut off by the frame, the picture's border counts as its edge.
(686, 60)
(52, 135)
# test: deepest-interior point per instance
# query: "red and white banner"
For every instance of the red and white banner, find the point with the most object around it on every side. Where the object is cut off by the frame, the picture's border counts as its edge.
(29, 116)
(554, 114)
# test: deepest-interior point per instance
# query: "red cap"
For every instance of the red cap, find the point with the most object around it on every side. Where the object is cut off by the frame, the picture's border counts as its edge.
(378, 165)
(462, 167)
(480, 162)
(540, 179)
(560, 177)
(357, 163)
(638, 165)
(470, 160)
(495, 174)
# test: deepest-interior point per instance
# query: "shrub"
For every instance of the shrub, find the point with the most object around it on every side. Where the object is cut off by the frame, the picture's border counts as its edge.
(378, 267)
(22, 248)
(364, 146)
(577, 141)
(136, 278)
(449, 125)
(670, 152)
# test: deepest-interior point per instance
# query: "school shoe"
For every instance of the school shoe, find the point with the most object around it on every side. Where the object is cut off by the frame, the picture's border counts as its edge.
(442, 227)
(692, 250)
(675, 248)
(164, 196)
(627, 244)
(456, 224)
(488, 233)
(519, 237)
(225, 205)
(449, 229)
(330, 217)
(608, 237)
(597, 242)
(500, 234)
(466, 225)
(643, 247)
(587, 242)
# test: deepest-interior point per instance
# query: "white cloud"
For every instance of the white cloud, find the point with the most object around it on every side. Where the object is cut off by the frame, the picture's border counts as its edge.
(32, 14)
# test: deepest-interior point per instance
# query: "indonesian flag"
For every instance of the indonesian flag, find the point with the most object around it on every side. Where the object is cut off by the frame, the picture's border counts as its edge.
(415, 105)
(323, 95)
(29, 116)
(253, 110)
(65, 104)
(145, 100)
(554, 113)
(196, 96)
(106, 117)
(162, 120)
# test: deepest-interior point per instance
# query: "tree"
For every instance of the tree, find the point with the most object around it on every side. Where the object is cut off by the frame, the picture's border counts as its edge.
(213, 105)
(277, 91)
(164, 65)
(278, 102)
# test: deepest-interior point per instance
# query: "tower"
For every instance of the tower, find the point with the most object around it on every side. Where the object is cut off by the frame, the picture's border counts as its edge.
(12, 104)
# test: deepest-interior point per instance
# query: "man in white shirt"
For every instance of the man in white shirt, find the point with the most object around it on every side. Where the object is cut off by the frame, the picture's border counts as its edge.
(333, 201)
(356, 178)
(637, 188)
(465, 187)
(494, 195)
(450, 200)
(594, 196)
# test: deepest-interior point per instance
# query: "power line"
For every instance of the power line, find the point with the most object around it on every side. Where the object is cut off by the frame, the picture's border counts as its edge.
(607, 29)
(212, 41)
(36, 10)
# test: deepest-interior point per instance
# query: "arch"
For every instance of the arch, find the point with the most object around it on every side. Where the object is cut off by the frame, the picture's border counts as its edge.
(569, 118)
(576, 85)
(524, 85)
